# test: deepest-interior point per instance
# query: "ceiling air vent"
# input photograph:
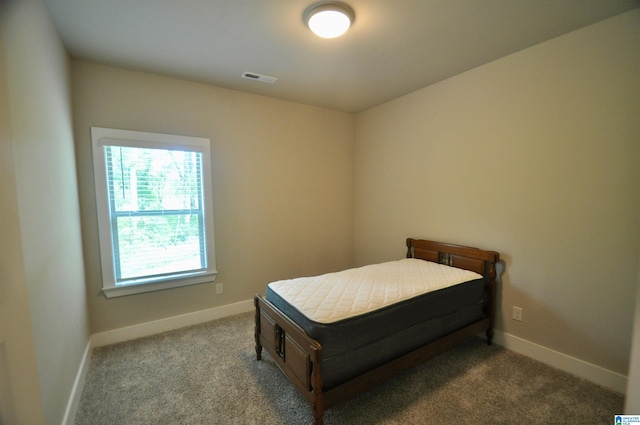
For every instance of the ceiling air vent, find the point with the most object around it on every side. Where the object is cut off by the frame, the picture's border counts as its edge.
(259, 77)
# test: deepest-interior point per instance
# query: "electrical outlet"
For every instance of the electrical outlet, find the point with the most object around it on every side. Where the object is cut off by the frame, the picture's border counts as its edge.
(219, 288)
(517, 313)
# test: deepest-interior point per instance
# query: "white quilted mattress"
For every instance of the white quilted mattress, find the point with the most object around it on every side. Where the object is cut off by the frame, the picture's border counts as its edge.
(337, 296)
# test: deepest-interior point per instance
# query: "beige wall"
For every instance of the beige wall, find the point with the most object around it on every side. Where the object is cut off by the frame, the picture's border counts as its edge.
(40, 222)
(20, 401)
(632, 404)
(537, 156)
(282, 183)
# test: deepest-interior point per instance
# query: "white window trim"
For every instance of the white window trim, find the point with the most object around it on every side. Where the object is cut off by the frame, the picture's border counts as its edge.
(107, 136)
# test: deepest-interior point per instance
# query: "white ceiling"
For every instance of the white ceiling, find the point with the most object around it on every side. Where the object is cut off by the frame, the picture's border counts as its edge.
(393, 48)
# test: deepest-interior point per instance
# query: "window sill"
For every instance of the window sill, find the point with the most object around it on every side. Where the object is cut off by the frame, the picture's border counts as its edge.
(120, 291)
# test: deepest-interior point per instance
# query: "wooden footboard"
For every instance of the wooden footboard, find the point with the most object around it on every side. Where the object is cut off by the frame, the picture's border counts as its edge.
(295, 353)
(299, 356)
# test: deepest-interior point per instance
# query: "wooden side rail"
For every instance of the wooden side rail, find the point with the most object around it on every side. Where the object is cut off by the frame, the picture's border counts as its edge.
(376, 376)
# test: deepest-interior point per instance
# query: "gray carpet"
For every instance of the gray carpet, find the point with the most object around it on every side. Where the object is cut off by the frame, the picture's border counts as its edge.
(208, 374)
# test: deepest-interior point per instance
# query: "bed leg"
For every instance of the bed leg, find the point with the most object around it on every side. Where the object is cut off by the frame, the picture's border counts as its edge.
(316, 387)
(317, 416)
(490, 336)
(258, 352)
(257, 329)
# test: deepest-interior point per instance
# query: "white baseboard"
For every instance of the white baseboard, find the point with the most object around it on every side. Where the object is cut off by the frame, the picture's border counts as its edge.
(171, 323)
(78, 385)
(572, 365)
(596, 374)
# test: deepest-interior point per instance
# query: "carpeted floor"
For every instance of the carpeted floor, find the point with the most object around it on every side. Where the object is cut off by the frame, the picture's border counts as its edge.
(208, 374)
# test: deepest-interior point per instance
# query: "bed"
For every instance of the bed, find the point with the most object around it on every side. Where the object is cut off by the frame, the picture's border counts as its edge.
(339, 334)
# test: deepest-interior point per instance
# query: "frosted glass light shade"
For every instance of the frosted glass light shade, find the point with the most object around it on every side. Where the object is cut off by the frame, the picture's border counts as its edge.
(330, 20)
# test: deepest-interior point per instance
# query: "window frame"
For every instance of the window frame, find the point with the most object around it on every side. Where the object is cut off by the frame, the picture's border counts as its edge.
(102, 137)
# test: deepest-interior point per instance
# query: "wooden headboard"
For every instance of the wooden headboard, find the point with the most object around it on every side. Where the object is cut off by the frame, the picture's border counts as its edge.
(463, 257)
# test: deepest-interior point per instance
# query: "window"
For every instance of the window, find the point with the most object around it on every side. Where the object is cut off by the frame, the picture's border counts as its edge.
(155, 218)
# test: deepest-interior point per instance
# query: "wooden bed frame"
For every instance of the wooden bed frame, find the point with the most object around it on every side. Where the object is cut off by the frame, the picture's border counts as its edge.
(299, 356)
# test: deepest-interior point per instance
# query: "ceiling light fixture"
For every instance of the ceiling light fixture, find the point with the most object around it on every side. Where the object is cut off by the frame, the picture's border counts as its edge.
(329, 19)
